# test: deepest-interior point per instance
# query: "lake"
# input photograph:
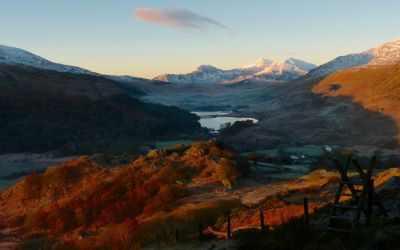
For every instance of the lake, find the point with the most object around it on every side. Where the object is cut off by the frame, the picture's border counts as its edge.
(214, 120)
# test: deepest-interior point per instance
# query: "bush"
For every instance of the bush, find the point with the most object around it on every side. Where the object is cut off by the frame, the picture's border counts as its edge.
(32, 186)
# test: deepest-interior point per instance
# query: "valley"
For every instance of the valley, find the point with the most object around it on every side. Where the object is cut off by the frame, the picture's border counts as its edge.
(92, 161)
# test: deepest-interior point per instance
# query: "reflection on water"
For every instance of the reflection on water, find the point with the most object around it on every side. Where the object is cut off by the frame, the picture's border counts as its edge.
(214, 120)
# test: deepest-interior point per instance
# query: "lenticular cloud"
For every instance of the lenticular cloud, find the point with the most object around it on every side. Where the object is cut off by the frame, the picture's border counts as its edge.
(176, 17)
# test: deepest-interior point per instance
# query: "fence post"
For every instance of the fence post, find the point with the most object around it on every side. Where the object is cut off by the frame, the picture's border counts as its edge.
(200, 231)
(370, 200)
(158, 240)
(306, 210)
(171, 235)
(229, 226)
(165, 235)
(262, 220)
(176, 235)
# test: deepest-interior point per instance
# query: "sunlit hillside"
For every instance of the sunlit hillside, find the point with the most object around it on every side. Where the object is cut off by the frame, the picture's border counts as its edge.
(375, 88)
(83, 199)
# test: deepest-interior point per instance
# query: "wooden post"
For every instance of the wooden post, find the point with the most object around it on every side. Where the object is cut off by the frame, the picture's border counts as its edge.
(158, 240)
(176, 235)
(229, 226)
(370, 200)
(165, 235)
(200, 231)
(262, 220)
(306, 210)
(171, 235)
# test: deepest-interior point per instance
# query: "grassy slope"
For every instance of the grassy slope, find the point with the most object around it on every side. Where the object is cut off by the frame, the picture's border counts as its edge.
(376, 89)
(364, 111)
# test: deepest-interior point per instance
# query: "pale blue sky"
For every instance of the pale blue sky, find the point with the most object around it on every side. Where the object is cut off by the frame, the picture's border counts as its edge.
(102, 35)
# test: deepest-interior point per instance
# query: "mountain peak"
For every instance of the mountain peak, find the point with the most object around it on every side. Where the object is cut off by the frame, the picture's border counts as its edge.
(15, 56)
(303, 65)
(390, 45)
(260, 63)
(264, 70)
(11, 55)
(385, 54)
(206, 68)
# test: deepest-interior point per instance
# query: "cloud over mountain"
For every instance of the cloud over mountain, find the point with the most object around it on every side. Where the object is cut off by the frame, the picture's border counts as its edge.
(177, 17)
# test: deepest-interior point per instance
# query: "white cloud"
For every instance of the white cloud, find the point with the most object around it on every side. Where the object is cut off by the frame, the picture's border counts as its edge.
(177, 17)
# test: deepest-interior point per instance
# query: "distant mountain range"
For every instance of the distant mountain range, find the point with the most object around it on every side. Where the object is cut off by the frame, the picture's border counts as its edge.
(265, 70)
(262, 70)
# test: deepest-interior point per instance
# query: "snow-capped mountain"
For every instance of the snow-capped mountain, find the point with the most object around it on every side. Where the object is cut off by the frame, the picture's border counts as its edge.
(385, 54)
(15, 56)
(263, 70)
(206, 74)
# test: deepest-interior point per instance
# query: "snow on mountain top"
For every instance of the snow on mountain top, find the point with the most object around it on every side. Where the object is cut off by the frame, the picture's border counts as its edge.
(303, 65)
(261, 63)
(263, 69)
(14, 56)
(280, 67)
(385, 54)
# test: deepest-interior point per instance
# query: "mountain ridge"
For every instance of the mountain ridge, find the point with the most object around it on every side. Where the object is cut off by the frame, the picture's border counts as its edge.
(387, 53)
(15, 56)
(262, 70)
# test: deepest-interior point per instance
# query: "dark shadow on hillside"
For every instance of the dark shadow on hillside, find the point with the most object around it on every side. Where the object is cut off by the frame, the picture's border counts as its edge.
(44, 111)
(294, 115)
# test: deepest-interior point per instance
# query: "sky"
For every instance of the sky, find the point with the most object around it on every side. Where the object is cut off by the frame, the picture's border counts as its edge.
(146, 38)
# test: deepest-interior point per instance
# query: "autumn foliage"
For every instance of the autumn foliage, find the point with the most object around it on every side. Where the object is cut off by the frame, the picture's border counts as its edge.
(80, 202)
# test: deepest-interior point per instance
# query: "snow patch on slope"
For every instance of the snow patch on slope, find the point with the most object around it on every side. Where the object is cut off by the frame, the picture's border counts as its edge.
(15, 56)
(385, 54)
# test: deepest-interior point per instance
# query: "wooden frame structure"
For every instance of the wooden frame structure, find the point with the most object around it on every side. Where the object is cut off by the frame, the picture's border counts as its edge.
(361, 191)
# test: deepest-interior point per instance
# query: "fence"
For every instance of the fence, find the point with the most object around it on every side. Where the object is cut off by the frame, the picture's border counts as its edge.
(174, 234)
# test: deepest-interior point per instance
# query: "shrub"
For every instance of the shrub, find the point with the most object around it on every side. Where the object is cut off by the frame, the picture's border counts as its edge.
(32, 186)
(36, 218)
(226, 172)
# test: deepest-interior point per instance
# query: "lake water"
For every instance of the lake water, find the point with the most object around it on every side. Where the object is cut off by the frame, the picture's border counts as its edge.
(214, 120)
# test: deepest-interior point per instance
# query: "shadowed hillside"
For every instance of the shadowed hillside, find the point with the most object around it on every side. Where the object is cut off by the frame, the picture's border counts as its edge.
(295, 113)
(45, 110)
(376, 89)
